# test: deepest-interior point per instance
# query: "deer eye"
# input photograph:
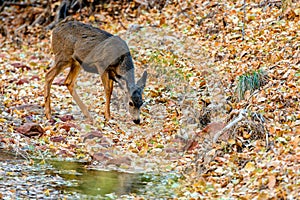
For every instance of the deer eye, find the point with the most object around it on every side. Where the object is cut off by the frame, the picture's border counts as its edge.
(130, 103)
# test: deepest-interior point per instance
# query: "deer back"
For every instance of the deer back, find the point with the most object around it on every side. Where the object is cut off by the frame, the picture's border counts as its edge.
(93, 48)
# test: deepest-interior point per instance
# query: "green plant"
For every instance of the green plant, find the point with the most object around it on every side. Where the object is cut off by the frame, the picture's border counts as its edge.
(250, 81)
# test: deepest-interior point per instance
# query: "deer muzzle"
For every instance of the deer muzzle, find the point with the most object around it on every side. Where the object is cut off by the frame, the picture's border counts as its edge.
(135, 114)
(137, 121)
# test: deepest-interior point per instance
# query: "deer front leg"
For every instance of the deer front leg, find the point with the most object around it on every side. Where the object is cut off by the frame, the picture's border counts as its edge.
(108, 88)
(70, 83)
(50, 75)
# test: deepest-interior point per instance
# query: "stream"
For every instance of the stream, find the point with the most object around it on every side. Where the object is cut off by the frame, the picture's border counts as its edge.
(20, 179)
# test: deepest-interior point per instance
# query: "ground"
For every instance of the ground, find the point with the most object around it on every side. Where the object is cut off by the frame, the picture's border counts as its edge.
(196, 54)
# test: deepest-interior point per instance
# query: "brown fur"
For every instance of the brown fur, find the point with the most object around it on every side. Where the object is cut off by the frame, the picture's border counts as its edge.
(77, 45)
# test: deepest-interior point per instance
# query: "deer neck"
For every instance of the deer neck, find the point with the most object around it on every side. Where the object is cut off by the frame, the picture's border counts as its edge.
(130, 81)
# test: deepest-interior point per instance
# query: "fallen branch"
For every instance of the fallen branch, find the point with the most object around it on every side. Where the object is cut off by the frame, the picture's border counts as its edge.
(242, 115)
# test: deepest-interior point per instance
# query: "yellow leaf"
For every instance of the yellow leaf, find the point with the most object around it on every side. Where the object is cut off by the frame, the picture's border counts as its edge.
(231, 141)
(47, 192)
(200, 183)
(18, 112)
(250, 167)
(33, 64)
(246, 135)
(81, 155)
(2, 120)
(10, 173)
(42, 162)
(263, 196)
(143, 152)
(92, 18)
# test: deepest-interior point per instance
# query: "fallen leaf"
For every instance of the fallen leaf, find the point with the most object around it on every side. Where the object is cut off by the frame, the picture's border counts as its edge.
(67, 126)
(92, 134)
(30, 129)
(65, 118)
(272, 182)
(250, 167)
(58, 139)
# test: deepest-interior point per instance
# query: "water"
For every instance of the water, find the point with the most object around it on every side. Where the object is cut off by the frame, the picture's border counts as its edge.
(95, 182)
(21, 179)
(60, 179)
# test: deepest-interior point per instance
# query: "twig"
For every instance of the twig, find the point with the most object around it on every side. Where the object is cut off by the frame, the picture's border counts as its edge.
(244, 20)
(122, 24)
(267, 139)
(145, 3)
(236, 120)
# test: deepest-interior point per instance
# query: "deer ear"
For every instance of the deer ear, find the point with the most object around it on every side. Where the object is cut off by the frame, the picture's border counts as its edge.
(142, 82)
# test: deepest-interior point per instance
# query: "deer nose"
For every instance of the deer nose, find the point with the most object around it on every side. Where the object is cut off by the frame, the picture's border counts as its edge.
(137, 121)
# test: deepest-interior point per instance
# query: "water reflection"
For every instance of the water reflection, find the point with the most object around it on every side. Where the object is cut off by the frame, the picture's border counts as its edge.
(20, 179)
(94, 182)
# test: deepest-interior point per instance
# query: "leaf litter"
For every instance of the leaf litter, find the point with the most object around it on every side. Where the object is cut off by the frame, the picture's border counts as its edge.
(194, 57)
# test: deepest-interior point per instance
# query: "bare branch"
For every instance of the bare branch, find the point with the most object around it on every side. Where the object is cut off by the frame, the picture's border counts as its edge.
(242, 114)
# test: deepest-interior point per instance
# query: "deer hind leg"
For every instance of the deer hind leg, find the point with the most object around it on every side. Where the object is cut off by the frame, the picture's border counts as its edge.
(70, 83)
(50, 75)
(108, 88)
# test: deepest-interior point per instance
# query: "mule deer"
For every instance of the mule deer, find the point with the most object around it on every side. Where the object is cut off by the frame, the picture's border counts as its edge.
(77, 45)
